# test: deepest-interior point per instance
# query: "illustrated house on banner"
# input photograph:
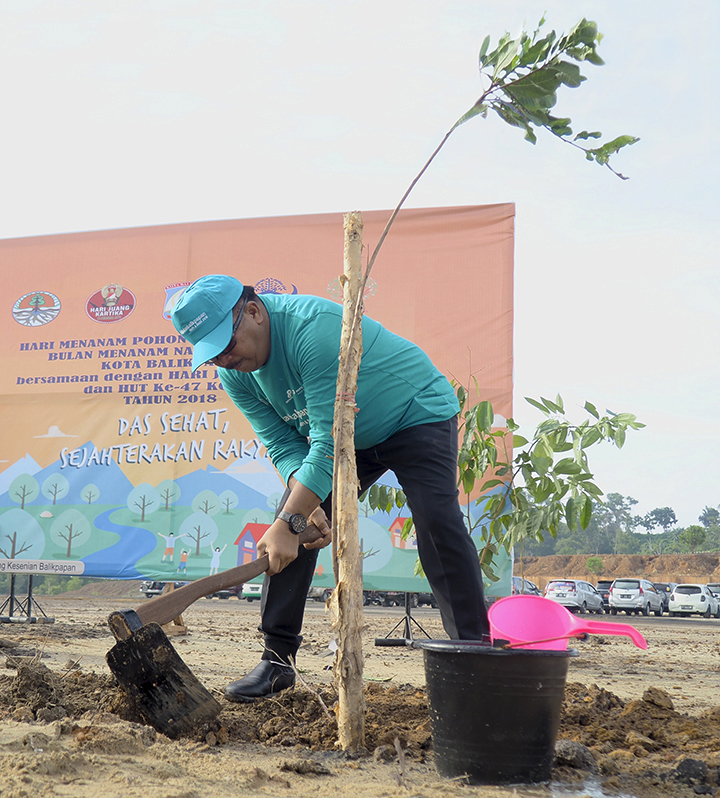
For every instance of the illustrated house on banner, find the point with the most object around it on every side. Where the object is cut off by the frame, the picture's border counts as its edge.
(396, 535)
(247, 542)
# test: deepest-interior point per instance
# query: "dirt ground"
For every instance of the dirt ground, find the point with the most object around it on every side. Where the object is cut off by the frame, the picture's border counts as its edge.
(648, 722)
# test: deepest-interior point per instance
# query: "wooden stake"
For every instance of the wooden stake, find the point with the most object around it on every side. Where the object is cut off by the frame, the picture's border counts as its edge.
(346, 604)
(177, 625)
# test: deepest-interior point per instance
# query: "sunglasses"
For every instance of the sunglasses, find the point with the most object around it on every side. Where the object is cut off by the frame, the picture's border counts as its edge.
(229, 348)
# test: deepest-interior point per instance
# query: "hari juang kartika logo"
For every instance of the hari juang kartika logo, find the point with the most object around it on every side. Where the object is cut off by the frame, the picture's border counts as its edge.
(36, 308)
(110, 304)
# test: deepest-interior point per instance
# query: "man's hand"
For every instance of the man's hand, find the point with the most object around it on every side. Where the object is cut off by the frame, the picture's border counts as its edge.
(319, 520)
(280, 545)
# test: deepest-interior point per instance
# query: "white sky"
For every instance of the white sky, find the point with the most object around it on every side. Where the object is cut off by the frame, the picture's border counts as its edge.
(145, 112)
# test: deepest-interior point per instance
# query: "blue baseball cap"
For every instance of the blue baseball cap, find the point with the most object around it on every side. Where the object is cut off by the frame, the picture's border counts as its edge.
(203, 315)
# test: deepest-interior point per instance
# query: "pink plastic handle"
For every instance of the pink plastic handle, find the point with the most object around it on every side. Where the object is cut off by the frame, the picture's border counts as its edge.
(605, 628)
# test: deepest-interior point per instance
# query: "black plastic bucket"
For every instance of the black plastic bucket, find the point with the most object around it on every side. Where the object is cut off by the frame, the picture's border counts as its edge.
(494, 713)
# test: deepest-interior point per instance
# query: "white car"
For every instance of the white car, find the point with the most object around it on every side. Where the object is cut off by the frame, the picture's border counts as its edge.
(689, 599)
(252, 591)
(635, 595)
(575, 594)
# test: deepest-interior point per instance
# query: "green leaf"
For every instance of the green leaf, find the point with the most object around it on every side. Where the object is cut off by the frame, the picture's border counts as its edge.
(570, 74)
(536, 89)
(518, 441)
(508, 113)
(491, 483)
(619, 437)
(566, 466)
(585, 512)
(539, 50)
(602, 154)
(592, 409)
(468, 481)
(591, 437)
(592, 489)
(506, 55)
(374, 494)
(536, 404)
(478, 108)
(596, 134)
(485, 416)
(484, 49)
(560, 126)
(571, 513)
(551, 406)
(383, 497)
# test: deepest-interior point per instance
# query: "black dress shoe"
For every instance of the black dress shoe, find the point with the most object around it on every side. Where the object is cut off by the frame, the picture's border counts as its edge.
(264, 681)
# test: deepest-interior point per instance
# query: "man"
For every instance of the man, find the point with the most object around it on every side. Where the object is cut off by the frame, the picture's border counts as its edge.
(277, 358)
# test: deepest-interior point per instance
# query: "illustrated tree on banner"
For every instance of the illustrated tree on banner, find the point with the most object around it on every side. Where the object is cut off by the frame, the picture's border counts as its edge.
(169, 492)
(23, 489)
(144, 499)
(20, 535)
(55, 487)
(90, 493)
(70, 528)
(521, 77)
(199, 528)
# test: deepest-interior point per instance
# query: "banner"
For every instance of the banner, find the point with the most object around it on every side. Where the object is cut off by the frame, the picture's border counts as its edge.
(119, 461)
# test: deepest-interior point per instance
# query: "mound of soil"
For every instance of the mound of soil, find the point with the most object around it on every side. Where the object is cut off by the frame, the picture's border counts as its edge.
(642, 745)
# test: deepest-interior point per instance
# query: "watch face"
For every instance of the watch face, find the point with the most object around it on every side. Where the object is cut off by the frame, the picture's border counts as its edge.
(298, 523)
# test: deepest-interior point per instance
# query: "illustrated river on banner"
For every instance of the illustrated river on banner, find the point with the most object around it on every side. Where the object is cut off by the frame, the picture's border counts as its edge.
(119, 461)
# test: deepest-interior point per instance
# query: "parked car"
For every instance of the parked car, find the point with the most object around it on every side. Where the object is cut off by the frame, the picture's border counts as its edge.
(151, 589)
(665, 589)
(319, 593)
(690, 599)
(575, 594)
(225, 594)
(521, 585)
(252, 591)
(603, 588)
(637, 596)
(425, 599)
(714, 588)
(372, 598)
(396, 598)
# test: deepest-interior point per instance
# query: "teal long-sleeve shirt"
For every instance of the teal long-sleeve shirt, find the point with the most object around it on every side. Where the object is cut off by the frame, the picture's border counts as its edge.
(289, 402)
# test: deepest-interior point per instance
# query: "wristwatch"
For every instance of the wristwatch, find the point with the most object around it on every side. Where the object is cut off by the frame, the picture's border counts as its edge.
(295, 521)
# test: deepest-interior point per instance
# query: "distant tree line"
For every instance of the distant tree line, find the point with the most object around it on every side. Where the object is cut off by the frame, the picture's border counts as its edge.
(615, 529)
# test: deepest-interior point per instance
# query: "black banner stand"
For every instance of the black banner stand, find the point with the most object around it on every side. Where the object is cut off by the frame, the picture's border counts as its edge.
(406, 622)
(24, 606)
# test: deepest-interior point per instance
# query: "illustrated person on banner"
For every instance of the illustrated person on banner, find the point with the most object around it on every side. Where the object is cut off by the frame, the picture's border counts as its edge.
(277, 358)
(183, 562)
(215, 560)
(170, 541)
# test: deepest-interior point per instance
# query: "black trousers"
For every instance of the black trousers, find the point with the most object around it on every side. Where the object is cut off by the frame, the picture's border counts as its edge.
(424, 460)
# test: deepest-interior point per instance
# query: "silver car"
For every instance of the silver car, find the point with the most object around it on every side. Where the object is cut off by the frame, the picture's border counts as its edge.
(575, 594)
(638, 596)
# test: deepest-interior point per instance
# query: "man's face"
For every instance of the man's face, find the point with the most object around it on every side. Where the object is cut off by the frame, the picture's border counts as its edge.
(250, 344)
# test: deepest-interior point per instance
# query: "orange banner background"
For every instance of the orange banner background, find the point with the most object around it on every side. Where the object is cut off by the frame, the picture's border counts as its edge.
(113, 450)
